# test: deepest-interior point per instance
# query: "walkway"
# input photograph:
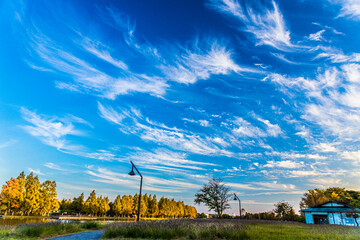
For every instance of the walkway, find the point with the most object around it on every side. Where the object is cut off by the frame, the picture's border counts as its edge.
(91, 235)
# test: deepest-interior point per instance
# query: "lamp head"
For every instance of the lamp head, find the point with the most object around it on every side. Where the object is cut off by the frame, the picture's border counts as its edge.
(131, 173)
(235, 198)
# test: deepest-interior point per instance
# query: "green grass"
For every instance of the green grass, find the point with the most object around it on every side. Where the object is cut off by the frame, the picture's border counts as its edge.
(228, 229)
(45, 230)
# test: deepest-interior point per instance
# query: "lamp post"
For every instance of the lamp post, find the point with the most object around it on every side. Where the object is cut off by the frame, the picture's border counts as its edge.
(132, 173)
(237, 198)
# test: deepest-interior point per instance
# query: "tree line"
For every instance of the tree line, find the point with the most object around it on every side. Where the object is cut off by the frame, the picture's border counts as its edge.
(27, 195)
(127, 205)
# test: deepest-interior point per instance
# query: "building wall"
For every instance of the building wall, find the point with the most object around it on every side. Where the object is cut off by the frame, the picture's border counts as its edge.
(334, 218)
(309, 218)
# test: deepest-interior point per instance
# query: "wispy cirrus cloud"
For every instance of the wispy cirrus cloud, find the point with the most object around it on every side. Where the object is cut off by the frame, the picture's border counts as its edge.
(267, 25)
(335, 55)
(55, 132)
(336, 92)
(35, 171)
(317, 36)
(284, 164)
(50, 130)
(54, 166)
(191, 66)
(151, 184)
(78, 57)
(131, 122)
(349, 8)
(7, 143)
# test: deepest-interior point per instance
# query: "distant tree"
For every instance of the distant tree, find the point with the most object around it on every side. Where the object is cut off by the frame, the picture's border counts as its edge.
(92, 204)
(48, 200)
(153, 208)
(127, 203)
(10, 196)
(22, 183)
(283, 209)
(65, 205)
(117, 207)
(164, 207)
(215, 195)
(103, 203)
(32, 194)
(143, 205)
(180, 209)
(78, 204)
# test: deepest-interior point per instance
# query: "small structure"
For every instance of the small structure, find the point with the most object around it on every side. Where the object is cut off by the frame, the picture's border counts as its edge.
(332, 213)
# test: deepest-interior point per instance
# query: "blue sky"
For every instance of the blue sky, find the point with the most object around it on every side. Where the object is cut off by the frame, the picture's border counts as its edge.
(264, 94)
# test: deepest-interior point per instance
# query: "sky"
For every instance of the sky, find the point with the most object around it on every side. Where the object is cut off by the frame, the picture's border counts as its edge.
(262, 94)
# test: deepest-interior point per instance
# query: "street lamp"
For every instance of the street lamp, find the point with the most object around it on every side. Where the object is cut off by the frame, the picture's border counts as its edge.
(237, 198)
(132, 173)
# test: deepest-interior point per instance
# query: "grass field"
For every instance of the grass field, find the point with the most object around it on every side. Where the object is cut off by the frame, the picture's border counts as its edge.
(227, 229)
(188, 229)
(45, 230)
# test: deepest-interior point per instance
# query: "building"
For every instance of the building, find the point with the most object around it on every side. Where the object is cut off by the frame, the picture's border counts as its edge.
(332, 213)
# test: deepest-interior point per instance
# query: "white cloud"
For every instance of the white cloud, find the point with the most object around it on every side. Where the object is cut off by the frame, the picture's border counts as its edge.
(325, 147)
(194, 65)
(336, 55)
(35, 171)
(151, 184)
(204, 123)
(349, 8)
(354, 156)
(50, 130)
(162, 157)
(149, 130)
(276, 186)
(53, 166)
(244, 128)
(334, 99)
(317, 36)
(284, 164)
(7, 143)
(293, 155)
(267, 25)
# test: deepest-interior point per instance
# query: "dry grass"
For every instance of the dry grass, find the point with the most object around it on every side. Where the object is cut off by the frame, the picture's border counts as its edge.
(228, 229)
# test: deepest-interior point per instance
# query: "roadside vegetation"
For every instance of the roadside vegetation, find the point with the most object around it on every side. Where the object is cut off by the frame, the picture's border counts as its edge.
(45, 230)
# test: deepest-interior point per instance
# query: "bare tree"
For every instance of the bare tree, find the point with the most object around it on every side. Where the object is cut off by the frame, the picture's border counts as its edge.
(215, 195)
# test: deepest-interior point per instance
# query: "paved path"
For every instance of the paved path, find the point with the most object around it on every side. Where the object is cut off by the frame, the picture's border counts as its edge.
(81, 236)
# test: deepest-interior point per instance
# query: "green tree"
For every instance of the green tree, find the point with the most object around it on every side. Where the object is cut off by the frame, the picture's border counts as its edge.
(78, 204)
(283, 209)
(215, 195)
(92, 204)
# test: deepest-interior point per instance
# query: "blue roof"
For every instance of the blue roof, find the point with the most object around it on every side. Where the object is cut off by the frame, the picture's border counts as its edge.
(342, 208)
